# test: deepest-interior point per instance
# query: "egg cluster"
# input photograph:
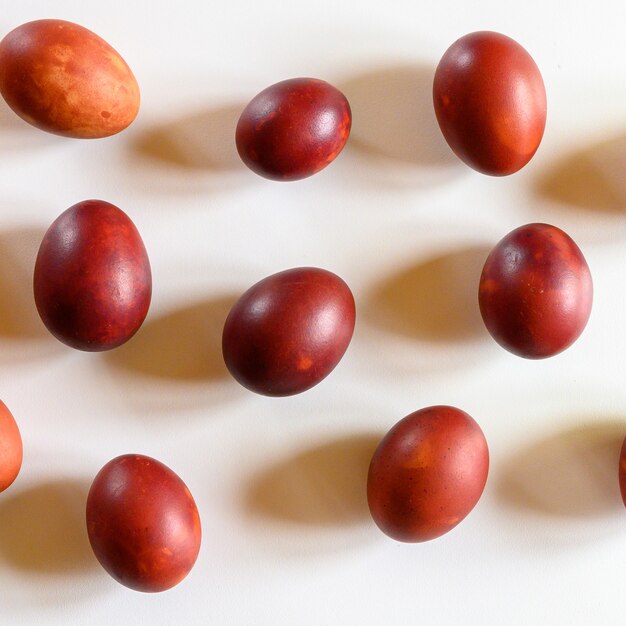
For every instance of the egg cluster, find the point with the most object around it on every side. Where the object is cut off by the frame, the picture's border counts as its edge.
(93, 283)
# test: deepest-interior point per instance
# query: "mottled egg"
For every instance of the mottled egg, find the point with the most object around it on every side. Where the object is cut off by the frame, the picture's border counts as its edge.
(293, 129)
(535, 291)
(490, 102)
(64, 79)
(92, 279)
(427, 474)
(143, 524)
(289, 331)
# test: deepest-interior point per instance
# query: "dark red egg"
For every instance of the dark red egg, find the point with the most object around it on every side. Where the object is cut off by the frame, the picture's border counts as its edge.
(490, 102)
(289, 331)
(92, 279)
(427, 474)
(143, 524)
(535, 291)
(622, 472)
(293, 129)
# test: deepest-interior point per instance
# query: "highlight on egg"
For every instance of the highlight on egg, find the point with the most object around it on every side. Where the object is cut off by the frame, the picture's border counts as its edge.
(535, 292)
(427, 474)
(11, 450)
(293, 129)
(490, 102)
(92, 280)
(64, 79)
(143, 523)
(289, 331)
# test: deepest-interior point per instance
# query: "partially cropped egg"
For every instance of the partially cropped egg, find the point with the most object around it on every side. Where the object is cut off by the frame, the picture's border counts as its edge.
(10, 448)
(622, 472)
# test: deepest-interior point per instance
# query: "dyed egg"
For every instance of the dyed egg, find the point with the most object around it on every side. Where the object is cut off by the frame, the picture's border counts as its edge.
(293, 129)
(427, 474)
(92, 279)
(622, 472)
(490, 102)
(143, 524)
(289, 331)
(535, 291)
(10, 448)
(64, 79)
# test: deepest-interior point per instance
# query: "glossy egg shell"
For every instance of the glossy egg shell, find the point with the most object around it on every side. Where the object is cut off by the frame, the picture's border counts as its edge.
(10, 448)
(535, 291)
(143, 524)
(427, 474)
(289, 331)
(64, 79)
(92, 279)
(293, 129)
(490, 102)
(622, 472)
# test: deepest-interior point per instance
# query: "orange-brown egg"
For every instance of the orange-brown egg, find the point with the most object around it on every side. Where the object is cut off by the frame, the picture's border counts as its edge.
(64, 79)
(10, 448)
(490, 102)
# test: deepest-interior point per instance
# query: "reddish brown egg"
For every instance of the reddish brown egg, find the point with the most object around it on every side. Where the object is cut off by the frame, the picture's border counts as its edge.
(535, 291)
(622, 472)
(427, 474)
(490, 102)
(92, 278)
(289, 331)
(293, 129)
(143, 524)
(10, 448)
(64, 79)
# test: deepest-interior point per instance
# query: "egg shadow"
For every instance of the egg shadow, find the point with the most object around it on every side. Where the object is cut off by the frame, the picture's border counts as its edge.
(16, 135)
(9, 120)
(7, 117)
(204, 140)
(18, 313)
(435, 300)
(184, 344)
(322, 486)
(593, 178)
(573, 473)
(44, 529)
(23, 336)
(393, 120)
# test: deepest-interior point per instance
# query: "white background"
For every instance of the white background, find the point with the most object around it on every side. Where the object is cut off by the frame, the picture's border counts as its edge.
(279, 483)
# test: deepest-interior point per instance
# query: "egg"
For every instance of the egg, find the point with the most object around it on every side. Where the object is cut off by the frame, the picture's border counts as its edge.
(92, 279)
(427, 474)
(289, 331)
(490, 102)
(535, 292)
(293, 129)
(10, 448)
(64, 79)
(622, 472)
(143, 524)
